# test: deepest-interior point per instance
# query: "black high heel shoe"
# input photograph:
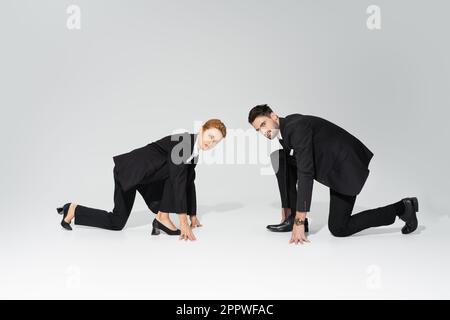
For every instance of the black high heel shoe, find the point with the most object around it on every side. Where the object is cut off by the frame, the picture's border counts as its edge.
(409, 216)
(64, 210)
(158, 226)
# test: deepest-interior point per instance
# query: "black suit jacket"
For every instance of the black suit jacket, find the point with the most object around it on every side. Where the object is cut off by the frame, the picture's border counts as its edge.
(167, 155)
(324, 152)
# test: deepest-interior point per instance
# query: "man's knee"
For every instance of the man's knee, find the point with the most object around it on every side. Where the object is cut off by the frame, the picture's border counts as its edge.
(338, 230)
(118, 227)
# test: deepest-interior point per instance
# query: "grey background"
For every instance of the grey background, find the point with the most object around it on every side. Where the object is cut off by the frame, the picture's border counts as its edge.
(137, 70)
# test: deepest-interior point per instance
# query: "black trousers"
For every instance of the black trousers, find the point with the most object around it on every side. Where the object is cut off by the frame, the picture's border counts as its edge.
(158, 195)
(341, 222)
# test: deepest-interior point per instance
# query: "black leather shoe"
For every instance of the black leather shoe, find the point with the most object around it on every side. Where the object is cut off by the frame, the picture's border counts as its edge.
(286, 225)
(158, 226)
(63, 210)
(409, 215)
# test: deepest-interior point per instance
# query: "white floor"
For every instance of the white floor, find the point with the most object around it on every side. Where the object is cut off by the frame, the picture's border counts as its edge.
(235, 257)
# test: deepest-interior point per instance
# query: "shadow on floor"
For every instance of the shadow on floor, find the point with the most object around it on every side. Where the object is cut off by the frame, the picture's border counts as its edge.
(145, 217)
(318, 218)
(386, 230)
(220, 207)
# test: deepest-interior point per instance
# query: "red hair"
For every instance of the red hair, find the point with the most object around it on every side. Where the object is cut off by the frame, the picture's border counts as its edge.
(215, 123)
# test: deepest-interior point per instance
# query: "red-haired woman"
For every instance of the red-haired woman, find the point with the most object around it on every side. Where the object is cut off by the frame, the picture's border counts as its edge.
(163, 172)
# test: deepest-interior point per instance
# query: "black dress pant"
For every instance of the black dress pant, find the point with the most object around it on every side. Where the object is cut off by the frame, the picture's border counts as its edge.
(157, 192)
(341, 222)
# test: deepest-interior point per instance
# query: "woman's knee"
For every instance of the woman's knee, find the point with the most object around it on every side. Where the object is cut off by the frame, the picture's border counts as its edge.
(118, 224)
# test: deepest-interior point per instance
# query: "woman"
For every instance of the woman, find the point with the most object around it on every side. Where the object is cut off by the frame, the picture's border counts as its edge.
(163, 172)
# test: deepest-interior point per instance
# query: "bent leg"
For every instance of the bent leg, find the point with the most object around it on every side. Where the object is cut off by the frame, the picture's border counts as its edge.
(291, 183)
(283, 174)
(152, 194)
(168, 199)
(191, 194)
(342, 223)
(115, 220)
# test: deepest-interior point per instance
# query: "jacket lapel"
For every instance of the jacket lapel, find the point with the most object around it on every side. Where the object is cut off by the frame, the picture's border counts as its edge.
(282, 129)
(285, 141)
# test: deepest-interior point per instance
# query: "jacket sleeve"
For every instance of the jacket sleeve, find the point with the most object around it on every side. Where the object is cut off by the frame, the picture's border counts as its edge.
(191, 194)
(178, 171)
(302, 143)
(178, 179)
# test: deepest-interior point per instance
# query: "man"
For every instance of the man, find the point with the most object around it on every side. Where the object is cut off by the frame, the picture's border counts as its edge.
(316, 149)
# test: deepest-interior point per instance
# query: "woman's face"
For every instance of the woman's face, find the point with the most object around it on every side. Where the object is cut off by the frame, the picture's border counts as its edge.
(209, 138)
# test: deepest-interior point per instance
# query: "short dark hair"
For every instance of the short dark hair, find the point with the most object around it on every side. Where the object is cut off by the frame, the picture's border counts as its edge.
(259, 110)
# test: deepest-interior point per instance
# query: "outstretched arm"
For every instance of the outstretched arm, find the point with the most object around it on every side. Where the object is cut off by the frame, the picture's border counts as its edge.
(178, 177)
(302, 143)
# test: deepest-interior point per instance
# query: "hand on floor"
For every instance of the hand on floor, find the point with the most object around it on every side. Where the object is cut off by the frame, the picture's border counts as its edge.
(298, 235)
(195, 222)
(186, 232)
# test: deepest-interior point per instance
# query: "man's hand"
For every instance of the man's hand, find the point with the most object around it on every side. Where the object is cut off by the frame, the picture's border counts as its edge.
(298, 231)
(195, 222)
(186, 231)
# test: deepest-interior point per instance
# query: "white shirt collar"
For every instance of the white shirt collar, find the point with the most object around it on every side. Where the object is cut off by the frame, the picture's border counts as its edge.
(279, 134)
(195, 151)
(196, 147)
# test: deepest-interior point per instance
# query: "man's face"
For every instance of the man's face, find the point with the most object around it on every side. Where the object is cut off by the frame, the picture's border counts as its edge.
(267, 126)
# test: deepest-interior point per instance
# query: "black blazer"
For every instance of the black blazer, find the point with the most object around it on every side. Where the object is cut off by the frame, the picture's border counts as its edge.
(168, 154)
(324, 152)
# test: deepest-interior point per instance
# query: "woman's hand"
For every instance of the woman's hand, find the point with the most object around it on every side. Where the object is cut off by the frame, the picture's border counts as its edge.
(186, 231)
(195, 222)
